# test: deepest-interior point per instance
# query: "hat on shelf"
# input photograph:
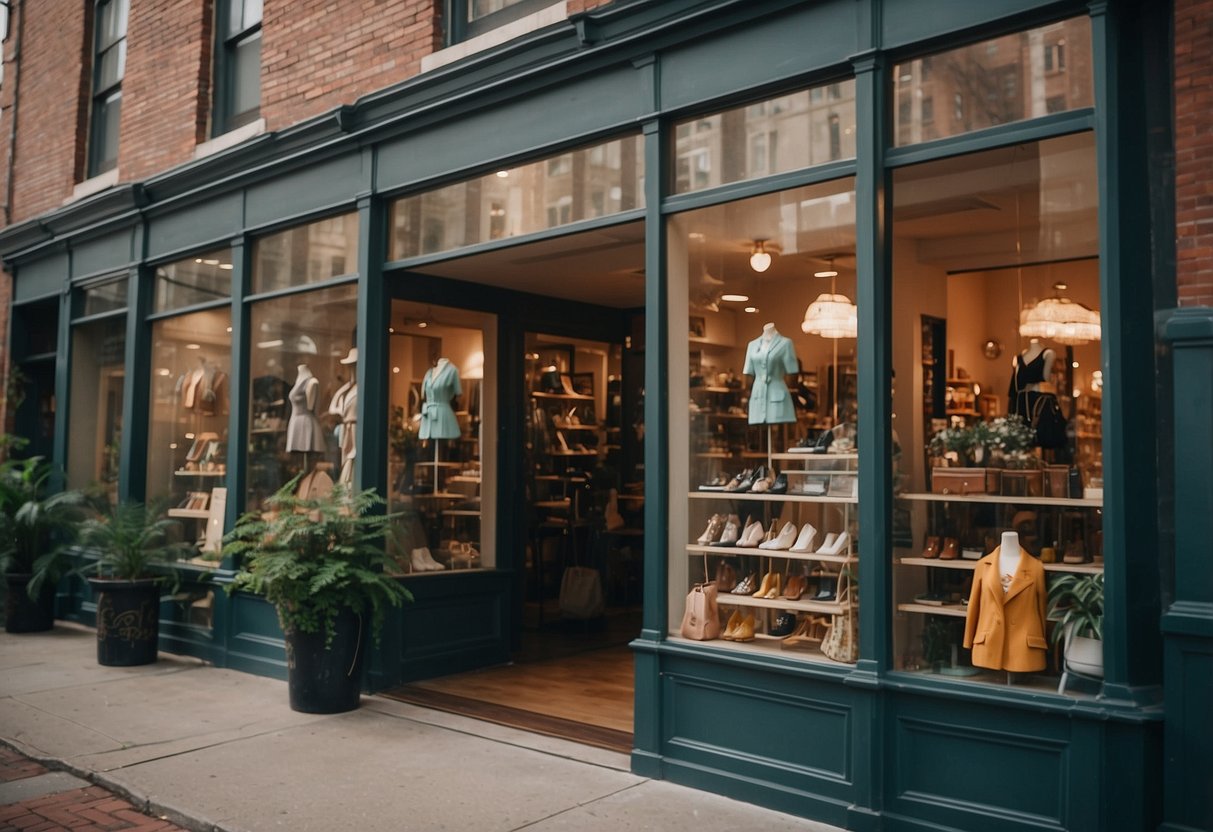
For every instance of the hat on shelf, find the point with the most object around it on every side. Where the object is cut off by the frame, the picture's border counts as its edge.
(352, 357)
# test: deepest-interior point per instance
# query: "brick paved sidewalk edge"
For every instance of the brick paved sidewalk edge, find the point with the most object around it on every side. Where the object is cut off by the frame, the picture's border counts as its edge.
(141, 802)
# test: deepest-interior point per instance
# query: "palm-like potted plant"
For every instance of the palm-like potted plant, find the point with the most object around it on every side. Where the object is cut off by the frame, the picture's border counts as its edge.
(1076, 605)
(321, 562)
(134, 549)
(36, 530)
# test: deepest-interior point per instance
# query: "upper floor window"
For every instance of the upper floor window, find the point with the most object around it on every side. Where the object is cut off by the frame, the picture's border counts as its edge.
(237, 64)
(469, 18)
(109, 65)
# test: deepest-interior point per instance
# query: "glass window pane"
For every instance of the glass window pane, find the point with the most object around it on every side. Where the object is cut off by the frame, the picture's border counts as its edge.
(481, 8)
(769, 415)
(105, 297)
(583, 184)
(246, 76)
(95, 415)
(193, 280)
(112, 18)
(441, 436)
(997, 398)
(111, 65)
(107, 113)
(187, 422)
(1014, 77)
(252, 13)
(299, 361)
(786, 133)
(306, 254)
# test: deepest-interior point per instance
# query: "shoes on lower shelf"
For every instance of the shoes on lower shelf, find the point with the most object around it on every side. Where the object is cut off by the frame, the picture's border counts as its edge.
(784, 624)
(739, 628)
(423, 561)
(931, 549)
(951, 549)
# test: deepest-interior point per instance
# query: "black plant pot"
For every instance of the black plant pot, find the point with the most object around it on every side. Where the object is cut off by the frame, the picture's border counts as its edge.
(23, 614)
(128, 621)
(326, 680)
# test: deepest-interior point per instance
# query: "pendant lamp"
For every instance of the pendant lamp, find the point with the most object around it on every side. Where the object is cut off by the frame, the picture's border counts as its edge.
(831, 315)
(1060, 319)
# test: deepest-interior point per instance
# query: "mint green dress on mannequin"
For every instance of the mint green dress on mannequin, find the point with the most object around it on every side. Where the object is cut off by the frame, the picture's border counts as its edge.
(438, 387)
(769, 360)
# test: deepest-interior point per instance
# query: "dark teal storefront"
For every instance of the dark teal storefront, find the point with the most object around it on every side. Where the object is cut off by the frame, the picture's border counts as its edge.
(863, 746)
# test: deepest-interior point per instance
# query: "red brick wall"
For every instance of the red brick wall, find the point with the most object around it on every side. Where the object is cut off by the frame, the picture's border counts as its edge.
(1194, 150)
(316, 54)
(166, 90)
(53, 107)
(576, 6)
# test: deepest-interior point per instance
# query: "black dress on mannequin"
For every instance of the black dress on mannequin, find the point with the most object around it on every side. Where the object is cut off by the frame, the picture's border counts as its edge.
(1037, 407)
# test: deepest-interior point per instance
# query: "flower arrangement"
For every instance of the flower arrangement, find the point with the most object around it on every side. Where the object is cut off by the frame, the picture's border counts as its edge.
(1004, 442)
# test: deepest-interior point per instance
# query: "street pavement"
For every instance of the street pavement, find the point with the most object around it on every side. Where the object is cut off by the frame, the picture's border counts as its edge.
(181, 744)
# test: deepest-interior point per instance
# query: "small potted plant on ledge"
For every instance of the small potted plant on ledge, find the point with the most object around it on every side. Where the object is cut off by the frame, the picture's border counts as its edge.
(133, 548)
(1076, 605)
(320, 562)
(36, 530)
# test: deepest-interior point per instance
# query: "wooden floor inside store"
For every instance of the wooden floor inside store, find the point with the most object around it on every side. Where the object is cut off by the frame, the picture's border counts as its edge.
(586, 697)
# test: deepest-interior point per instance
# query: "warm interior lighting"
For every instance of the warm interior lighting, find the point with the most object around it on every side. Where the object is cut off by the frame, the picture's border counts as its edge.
(831, 316)
(751, 309)
(736, 298)
(828, 271)
(1060, 319)
(760, 258)
(226, 266)
(503, 174)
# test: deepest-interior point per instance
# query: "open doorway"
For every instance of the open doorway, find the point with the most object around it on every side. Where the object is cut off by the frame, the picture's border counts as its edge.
(541, 471)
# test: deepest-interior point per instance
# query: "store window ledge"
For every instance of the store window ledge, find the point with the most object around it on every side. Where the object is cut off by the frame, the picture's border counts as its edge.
(230, 139)
(554, 13)
(92, 186)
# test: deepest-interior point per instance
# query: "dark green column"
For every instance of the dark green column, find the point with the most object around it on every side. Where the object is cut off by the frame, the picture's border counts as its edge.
(648, 697)
(132, 459)
(374, 316)
(239, 381)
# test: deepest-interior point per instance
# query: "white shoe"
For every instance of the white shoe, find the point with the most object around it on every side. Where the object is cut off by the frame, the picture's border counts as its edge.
(838, 545)
(752, 535)
(417, 560)
(785, 538)
(732, 530)
(826, 544)
(804, 543)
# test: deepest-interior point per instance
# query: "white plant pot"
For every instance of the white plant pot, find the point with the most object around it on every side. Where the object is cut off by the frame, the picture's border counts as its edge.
(1084, 655)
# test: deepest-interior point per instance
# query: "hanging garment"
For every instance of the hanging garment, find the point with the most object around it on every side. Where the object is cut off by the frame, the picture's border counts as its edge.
(303, 431)
(1006, 630)
(1039, 408)
(349, 432)
(769, 360)
(438, 387)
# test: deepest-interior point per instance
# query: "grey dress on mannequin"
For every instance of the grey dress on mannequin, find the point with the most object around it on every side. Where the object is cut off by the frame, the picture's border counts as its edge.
(303, 431)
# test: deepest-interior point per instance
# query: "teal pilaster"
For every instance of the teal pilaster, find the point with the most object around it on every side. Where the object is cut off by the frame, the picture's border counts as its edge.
(648, 691)
(374, 316)
(63, 367)
(238, 415)
(132, 459)
(1131, 650)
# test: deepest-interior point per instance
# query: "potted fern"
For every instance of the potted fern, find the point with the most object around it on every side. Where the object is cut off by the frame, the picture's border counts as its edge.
(1076, 605)
(320, 561)
(36, 531)
(133, 544)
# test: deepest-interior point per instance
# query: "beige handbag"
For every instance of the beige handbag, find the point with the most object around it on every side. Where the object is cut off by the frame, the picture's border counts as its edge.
(841, 642)
(701, 620)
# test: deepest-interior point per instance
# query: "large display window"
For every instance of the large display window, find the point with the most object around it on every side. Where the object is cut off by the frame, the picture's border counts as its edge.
(765, 550)
(442, 436)
(306, 254)
(98, 377)
(999, 485)
(189, 403)
(303, 392)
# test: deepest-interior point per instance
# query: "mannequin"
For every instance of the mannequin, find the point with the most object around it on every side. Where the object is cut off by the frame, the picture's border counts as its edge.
(769, 358)
(1005, 621)
(438, 387)
(303, 432)
(1033, 397)
(344, 405)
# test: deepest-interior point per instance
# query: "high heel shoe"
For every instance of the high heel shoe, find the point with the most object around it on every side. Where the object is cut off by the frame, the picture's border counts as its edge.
(780, 486)
(837, 546)
(731, 532)
(931, 549)
(785, 538)
(827, 588)
(765, 587)
(746, 585)
(763, 484)
(776, 586)
(752, 536)
(713, 531)
(784, 624)
(732, 625)
(747, 484)
(826, 544)
(804, 542)
(794, 587)
(746, 476)
(744, 630)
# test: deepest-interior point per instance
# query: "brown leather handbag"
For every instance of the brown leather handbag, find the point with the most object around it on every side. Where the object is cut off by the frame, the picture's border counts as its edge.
(701, 620)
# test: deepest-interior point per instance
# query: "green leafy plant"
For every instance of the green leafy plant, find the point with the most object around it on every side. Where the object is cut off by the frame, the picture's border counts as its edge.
(312, 558)
(133, 541)
(36, 528)
(1076, 603)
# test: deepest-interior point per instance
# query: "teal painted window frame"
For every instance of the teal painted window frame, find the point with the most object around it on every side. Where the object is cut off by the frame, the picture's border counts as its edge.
(459, 28)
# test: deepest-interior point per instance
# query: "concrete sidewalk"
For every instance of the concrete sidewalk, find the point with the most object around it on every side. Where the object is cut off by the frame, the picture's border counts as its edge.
(209, 748)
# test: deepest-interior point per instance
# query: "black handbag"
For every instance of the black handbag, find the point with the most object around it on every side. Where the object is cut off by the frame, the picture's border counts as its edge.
(1048, 422)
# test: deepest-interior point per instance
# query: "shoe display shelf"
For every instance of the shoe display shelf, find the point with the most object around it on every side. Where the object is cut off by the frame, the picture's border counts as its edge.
(1046, 518)
(829, 508)
(571, 429)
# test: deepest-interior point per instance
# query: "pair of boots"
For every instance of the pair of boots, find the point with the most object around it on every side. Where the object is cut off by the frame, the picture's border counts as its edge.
(738, 628)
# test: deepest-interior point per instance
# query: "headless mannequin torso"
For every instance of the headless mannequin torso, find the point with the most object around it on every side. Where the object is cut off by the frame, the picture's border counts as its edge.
(1008, 558)
(1035, 350)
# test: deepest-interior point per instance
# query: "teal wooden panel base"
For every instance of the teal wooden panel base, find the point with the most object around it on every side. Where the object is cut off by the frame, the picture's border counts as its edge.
(808, 740)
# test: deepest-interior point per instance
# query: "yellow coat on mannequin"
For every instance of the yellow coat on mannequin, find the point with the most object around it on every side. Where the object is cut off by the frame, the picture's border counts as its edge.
(1007, 630)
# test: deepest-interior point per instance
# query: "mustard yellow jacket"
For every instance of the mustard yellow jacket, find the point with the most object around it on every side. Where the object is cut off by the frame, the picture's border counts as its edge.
(1006, 631)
